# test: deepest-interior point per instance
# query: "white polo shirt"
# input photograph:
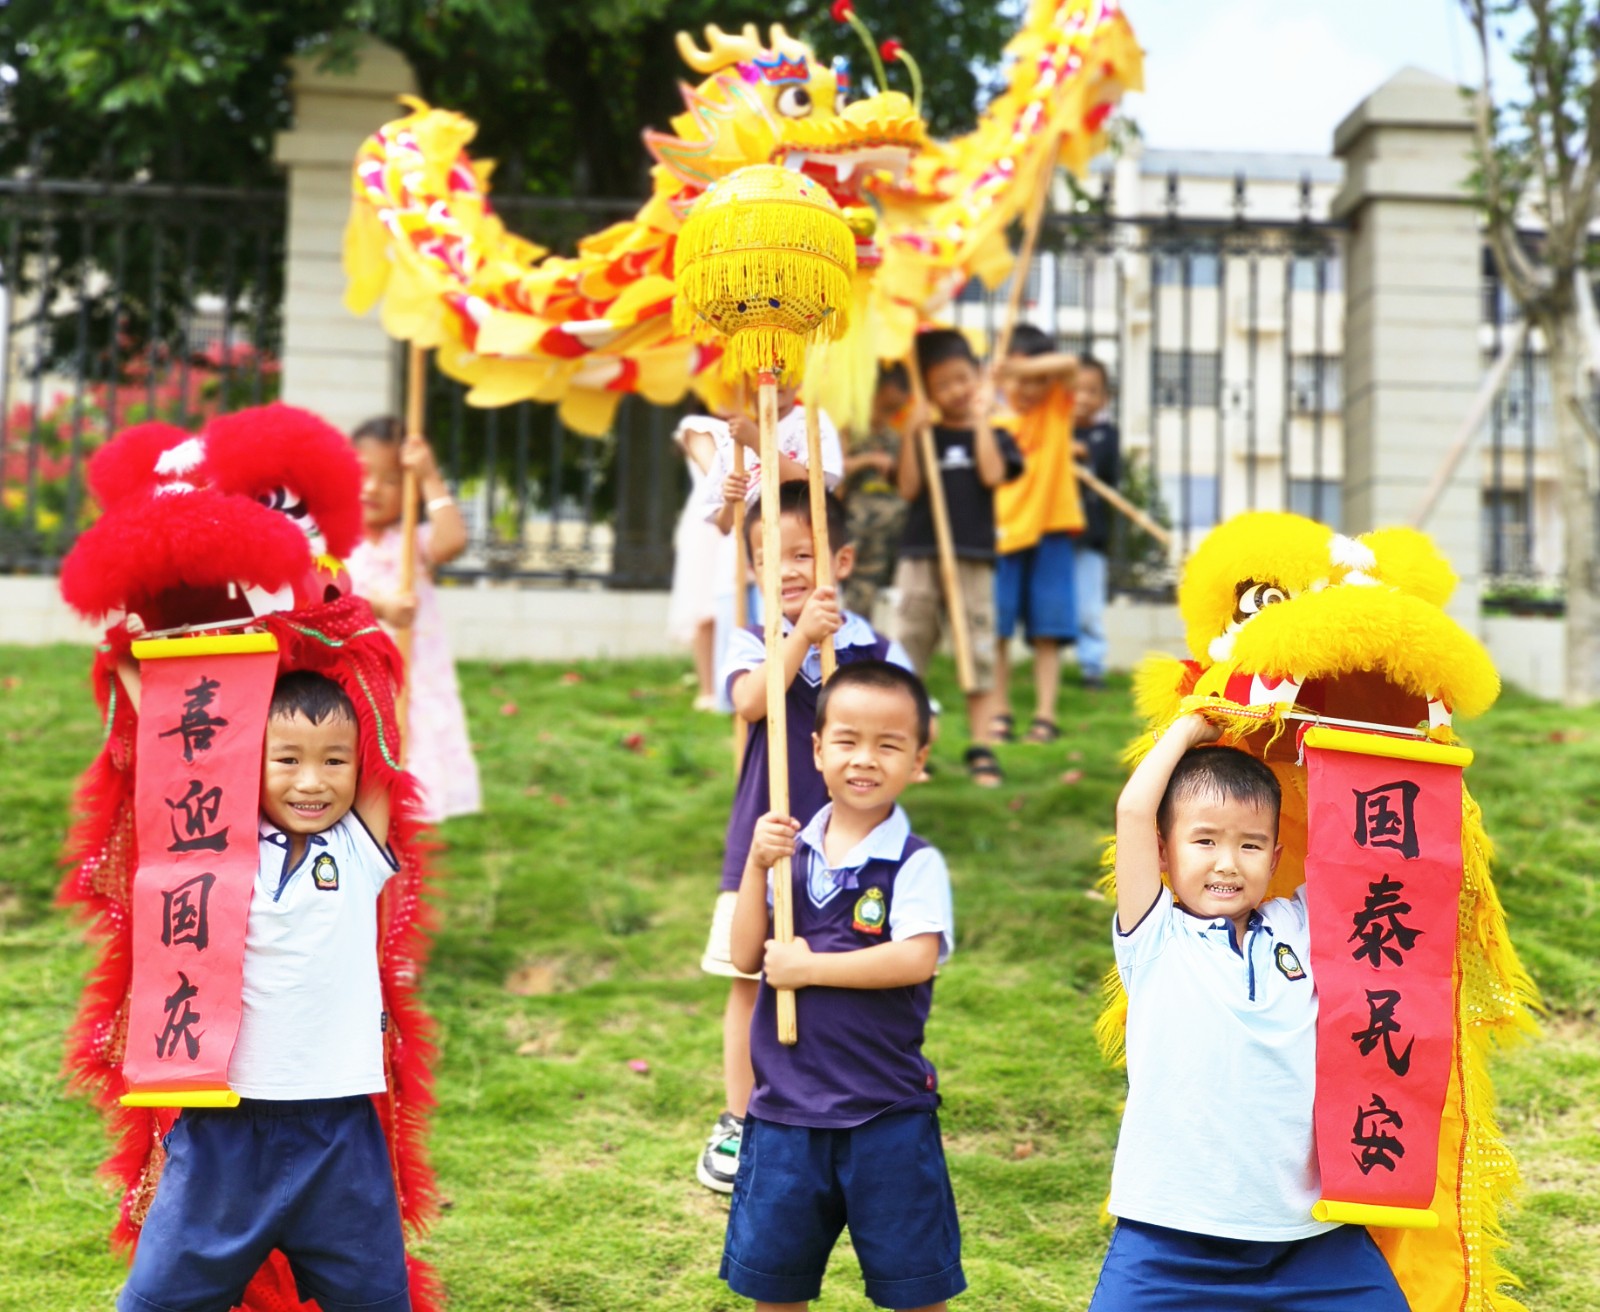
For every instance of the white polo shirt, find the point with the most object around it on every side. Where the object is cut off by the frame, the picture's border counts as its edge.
(1217, 1133)
(313, 1009)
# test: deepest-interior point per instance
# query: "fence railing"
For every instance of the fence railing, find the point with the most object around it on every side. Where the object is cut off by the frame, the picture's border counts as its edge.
(1222, 336)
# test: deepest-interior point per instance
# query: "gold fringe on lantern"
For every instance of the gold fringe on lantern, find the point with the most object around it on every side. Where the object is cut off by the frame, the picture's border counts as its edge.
(764, 265)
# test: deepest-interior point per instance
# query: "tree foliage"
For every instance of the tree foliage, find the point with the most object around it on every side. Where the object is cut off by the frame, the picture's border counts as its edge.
(196, 89)
(1538, 172)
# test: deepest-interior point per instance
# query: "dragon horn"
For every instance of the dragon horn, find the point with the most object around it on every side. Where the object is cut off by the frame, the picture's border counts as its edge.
(722, 48)
(778, 38)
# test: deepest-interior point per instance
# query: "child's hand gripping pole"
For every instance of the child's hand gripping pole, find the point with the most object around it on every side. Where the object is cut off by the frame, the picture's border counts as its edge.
(416, 392)
(777, 714)
(822, 549)
(960, 634)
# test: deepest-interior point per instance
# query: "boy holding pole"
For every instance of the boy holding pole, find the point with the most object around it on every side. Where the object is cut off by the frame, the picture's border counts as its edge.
(950, 557)
(843, 1127)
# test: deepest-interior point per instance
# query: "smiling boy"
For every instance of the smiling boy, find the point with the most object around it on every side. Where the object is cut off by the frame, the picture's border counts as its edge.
(301, 1164)
(1222, 1020)
(843, 1126)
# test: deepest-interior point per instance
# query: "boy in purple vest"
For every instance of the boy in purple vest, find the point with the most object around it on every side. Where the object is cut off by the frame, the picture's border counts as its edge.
(843, 1128)
(809, 614)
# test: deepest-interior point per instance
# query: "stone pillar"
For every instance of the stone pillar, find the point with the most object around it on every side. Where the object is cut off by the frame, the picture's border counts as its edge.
(343, 368)
(1412, 356)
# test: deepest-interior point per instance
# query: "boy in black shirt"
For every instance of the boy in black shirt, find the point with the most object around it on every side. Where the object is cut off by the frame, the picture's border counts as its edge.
(974, 459)
(1097, 444)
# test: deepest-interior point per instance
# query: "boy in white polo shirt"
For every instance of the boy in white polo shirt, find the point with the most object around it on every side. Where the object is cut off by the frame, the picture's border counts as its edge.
(1215, 1172)
(301, 1165)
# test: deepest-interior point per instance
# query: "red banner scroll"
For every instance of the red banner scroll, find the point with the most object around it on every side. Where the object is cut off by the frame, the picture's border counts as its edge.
(1383, 878)
(202, 722)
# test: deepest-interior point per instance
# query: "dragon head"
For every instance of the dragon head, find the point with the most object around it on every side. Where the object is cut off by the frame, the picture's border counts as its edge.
(776, 103)
(243, 519)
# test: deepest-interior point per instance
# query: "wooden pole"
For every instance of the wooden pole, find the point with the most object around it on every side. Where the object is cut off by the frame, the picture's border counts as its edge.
(1115, 499)
(777, 710)
(416, 393)
(949, 577)
(821, 548)
(1037, 204)
(741, 592)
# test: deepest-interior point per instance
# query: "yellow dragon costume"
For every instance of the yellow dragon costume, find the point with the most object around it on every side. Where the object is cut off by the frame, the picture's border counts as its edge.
(515, 323)
(1282, 614)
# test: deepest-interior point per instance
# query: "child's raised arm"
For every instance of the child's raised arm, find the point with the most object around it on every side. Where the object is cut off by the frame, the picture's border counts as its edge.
(1138, 868)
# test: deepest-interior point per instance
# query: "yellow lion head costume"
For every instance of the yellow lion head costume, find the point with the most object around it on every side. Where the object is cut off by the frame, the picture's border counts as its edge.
(1282, 614)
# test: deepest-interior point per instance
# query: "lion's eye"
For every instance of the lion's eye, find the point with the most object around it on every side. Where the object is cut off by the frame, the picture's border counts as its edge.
(1255, 598)
(283, 501)
(794, 102)
(841, 98)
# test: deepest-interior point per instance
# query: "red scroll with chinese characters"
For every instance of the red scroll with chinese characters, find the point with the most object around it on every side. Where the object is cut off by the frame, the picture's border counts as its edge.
(1383, 877)
(202, 725)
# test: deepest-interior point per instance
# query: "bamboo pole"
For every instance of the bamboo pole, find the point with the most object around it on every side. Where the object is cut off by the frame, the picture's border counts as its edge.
(1037, 205)
(777, 710)
(741, 591)
(821, 548)
(949, 576)
(416, 393)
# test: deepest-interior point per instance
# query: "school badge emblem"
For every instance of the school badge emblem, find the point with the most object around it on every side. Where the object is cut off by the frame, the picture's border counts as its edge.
(871, 912)
(1288, 963)
(324, 873)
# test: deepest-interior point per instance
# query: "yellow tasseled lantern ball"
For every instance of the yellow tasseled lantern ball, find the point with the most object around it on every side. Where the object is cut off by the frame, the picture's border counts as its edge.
(763, 265)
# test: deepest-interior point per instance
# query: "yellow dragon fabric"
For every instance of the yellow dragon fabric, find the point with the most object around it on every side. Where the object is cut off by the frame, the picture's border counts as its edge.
(515, 323)
(1281, 616)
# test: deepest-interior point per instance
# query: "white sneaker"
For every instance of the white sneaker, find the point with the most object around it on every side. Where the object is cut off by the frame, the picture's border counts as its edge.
(719, 1163)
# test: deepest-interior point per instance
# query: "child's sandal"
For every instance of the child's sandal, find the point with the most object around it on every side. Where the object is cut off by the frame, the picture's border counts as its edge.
(1042, 731)
(1002, 728)
(983, 767)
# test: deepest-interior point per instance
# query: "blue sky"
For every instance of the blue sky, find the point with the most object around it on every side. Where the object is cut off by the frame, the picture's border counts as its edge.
(1280, 74)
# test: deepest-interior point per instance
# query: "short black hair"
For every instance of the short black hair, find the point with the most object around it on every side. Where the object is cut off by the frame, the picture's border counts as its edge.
(1224, 772)
(894, 374)
(886, 677)
(313, 695)
(1028, 339)
(1089, 362)
(939, 345)
(794, 498)
(380, 428)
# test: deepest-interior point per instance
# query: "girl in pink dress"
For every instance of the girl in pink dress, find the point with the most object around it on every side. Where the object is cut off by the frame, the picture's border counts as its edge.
(437, 749)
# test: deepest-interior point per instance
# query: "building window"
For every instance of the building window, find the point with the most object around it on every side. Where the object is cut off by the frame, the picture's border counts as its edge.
(1203, 268)
(1186, 380)
(1071, 276)
(1321, 499)
(1526, 401)
(1193, 498)
(1316, 384)
(1507, 542)
(1303, 272)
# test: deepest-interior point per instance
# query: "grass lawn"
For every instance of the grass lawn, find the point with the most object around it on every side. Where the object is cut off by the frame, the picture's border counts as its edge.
(573, 915)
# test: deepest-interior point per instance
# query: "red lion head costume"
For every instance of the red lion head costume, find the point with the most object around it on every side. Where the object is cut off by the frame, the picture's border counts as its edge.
(238, 526)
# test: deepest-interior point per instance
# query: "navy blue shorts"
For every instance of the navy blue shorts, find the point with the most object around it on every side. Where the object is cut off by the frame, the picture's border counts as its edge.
(308, 1178)
(797, 1188)
(1152, 1269)
(1036, 588)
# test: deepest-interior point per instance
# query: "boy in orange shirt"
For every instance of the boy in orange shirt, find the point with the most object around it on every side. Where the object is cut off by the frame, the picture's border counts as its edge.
(1037, 517)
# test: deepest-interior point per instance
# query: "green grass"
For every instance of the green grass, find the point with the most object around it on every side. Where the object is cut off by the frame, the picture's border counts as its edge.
(573, 914)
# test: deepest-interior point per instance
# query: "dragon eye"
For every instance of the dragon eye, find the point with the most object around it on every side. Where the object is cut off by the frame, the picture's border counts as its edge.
(794, 102)
(1255, 598)
(841, 98)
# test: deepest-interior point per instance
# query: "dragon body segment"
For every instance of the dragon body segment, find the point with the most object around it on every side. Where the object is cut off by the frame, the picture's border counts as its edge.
(515, 323)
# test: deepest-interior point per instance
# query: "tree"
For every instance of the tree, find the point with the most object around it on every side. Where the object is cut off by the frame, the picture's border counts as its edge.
(1539, 155)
